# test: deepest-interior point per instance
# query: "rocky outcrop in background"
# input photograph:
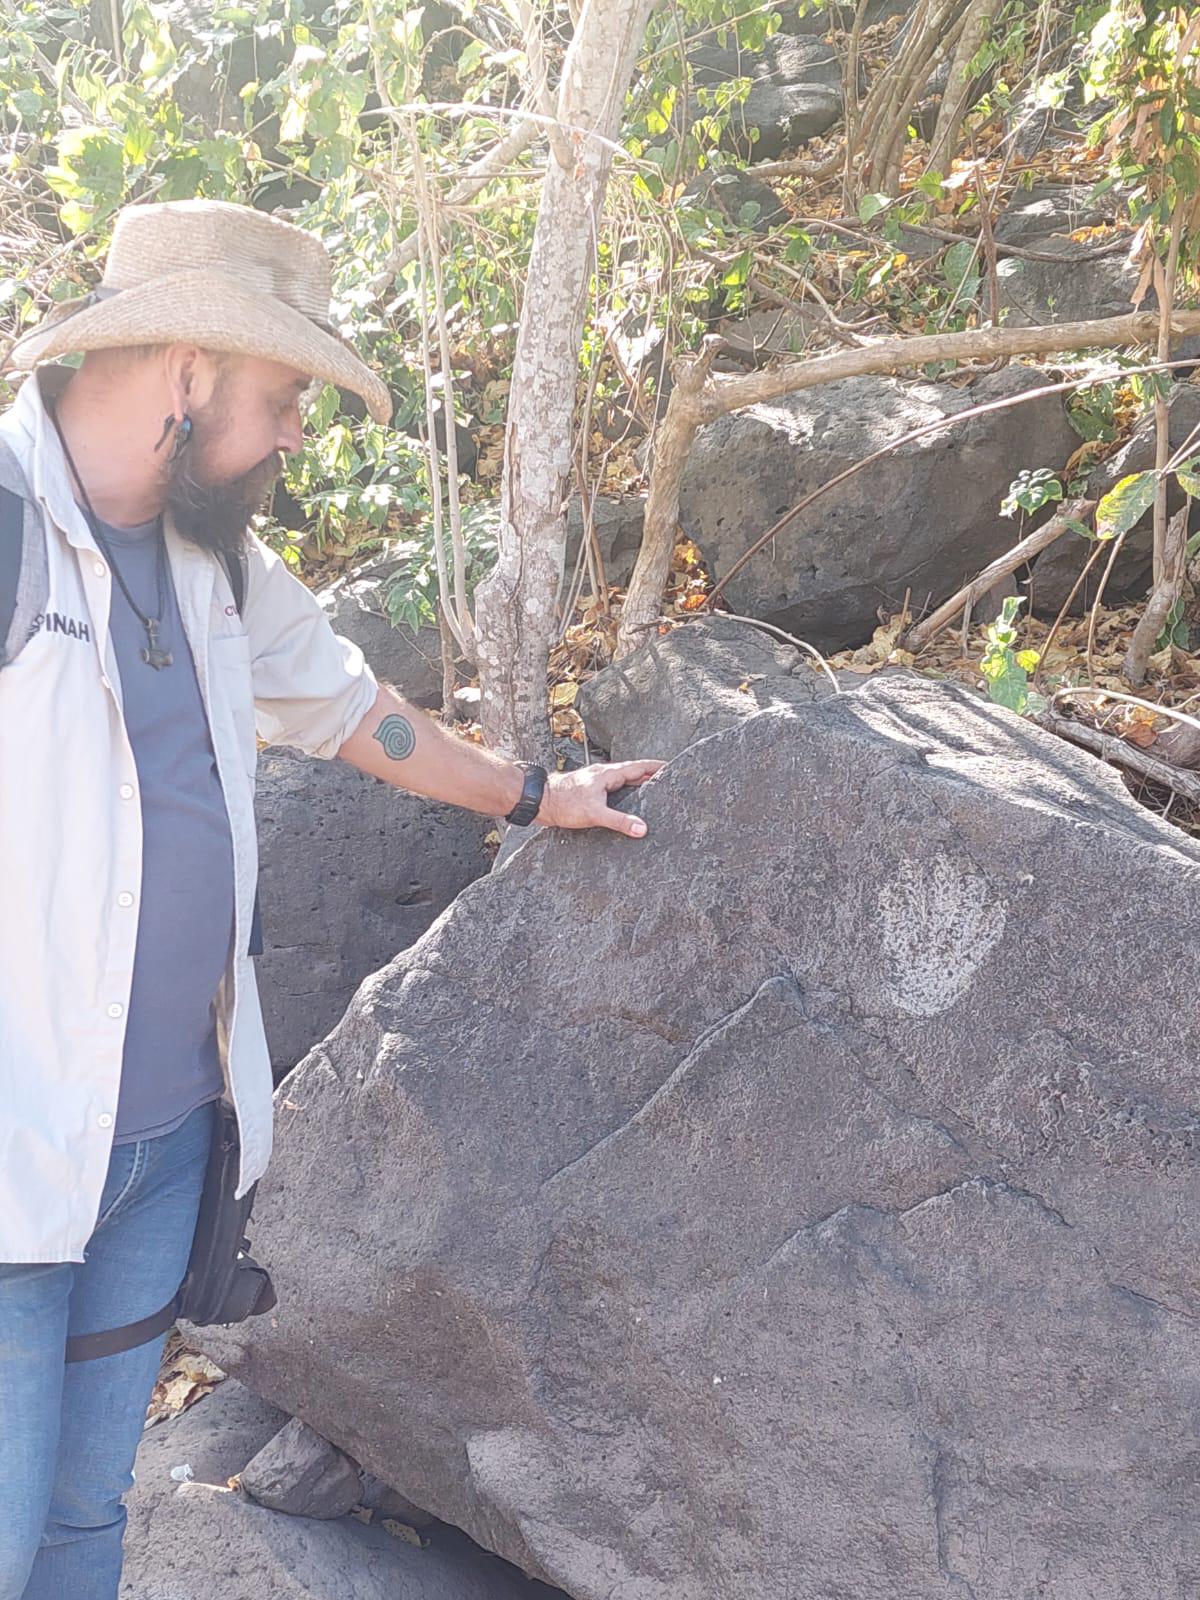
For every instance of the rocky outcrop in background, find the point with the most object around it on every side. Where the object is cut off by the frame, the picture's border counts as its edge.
(923, 519)
(789, 1203)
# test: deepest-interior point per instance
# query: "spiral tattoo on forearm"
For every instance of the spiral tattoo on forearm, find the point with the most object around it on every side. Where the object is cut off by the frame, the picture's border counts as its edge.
(395, 734)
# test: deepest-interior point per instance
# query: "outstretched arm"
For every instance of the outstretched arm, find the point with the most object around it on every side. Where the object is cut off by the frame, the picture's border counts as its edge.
(400, 744)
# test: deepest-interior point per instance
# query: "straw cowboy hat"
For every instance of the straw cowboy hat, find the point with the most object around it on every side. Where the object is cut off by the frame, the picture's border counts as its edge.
(225, 277)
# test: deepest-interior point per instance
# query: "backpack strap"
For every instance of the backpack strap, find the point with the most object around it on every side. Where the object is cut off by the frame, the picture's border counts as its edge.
(113, 1341)
(236, 573)
(12, 549)
(24, 569)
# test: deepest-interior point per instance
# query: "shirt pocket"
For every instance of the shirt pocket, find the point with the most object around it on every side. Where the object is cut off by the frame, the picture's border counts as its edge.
(233, 692)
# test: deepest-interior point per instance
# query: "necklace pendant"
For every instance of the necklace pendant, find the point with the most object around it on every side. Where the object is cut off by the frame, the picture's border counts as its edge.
(155, 657)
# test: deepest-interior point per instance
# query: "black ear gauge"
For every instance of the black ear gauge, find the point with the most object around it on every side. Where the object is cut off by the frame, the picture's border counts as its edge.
(183, 434)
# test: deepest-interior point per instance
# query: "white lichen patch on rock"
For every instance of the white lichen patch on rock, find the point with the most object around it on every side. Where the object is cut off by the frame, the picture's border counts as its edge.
(937, 925)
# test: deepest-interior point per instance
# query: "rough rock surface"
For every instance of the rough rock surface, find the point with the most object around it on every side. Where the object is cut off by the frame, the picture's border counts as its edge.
(801, 1201)
(770, 332)
(795, 92)
(1049, 208)
(302, 1474)
(617, 523)
(1056, 569)
(203, 1541)
(736, 194)
(1073, 288)
(351, 870)
(688, 683)
(924, 518)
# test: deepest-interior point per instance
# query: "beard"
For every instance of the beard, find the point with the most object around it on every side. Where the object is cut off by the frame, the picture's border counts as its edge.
(216, 515)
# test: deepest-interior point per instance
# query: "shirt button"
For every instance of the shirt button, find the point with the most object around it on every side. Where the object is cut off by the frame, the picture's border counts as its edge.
(100, 569)
(126, 791)
(115, 1010)
(104, 1120)
(125, 898)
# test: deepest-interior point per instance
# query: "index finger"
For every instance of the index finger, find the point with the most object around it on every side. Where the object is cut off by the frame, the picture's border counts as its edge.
(636, 771)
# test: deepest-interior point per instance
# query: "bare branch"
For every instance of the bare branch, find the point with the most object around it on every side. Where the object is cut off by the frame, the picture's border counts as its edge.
(923, 632)
(477, 176)
(724, 394)
(1121, 754)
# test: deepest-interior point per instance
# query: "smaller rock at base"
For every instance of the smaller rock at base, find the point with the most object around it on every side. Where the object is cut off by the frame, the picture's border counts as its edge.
(302, 1474)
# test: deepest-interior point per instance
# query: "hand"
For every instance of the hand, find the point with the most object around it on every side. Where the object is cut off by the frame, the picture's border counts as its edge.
(579, 799)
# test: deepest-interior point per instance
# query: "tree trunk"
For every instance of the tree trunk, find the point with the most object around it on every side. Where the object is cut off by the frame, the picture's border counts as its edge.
(1162, 600)
(515, 605)
(958, 85)
(1170, 554)
(672, 446)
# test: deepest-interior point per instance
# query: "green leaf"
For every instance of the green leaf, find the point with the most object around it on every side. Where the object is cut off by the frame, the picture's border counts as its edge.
(1009, 687)
(1125, 505)
(1189, 479)
(799, 249)
(295, 117)
(959, 260)
(1176, 631)
(738, 272)
(871, 205)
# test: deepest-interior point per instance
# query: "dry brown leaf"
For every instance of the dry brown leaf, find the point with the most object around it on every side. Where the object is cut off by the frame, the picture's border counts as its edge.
(401, 1530)
(1089, 452)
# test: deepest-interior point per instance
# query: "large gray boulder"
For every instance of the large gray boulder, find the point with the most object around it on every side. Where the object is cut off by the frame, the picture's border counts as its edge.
(738, 196)
(351, 870)
(795, 92)
(789, 1203)
(925, 518)
(617, 526)
(1077, 285)
(1052, 208)
(203, 1540)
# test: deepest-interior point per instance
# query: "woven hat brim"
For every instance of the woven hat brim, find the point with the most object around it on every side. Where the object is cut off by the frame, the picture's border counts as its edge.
(217, 313)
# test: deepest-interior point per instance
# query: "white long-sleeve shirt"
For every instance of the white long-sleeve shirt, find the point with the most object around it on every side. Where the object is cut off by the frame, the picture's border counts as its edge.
(70, 840)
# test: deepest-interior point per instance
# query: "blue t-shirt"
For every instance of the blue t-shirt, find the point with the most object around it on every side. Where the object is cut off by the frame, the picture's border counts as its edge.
(185, 909)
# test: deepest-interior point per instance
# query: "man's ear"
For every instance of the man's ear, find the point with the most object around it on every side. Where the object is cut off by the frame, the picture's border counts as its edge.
(191, 374)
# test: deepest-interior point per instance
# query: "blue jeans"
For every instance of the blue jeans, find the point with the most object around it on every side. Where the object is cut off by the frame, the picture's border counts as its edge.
(68, 1434)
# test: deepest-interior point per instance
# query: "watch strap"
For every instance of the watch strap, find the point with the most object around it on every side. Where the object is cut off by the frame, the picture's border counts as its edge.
(527, 807)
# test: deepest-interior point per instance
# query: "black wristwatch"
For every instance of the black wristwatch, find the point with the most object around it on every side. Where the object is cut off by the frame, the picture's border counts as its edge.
(526, 808)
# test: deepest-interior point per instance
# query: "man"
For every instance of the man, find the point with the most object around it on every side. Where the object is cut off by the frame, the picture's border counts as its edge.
(128, 723)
